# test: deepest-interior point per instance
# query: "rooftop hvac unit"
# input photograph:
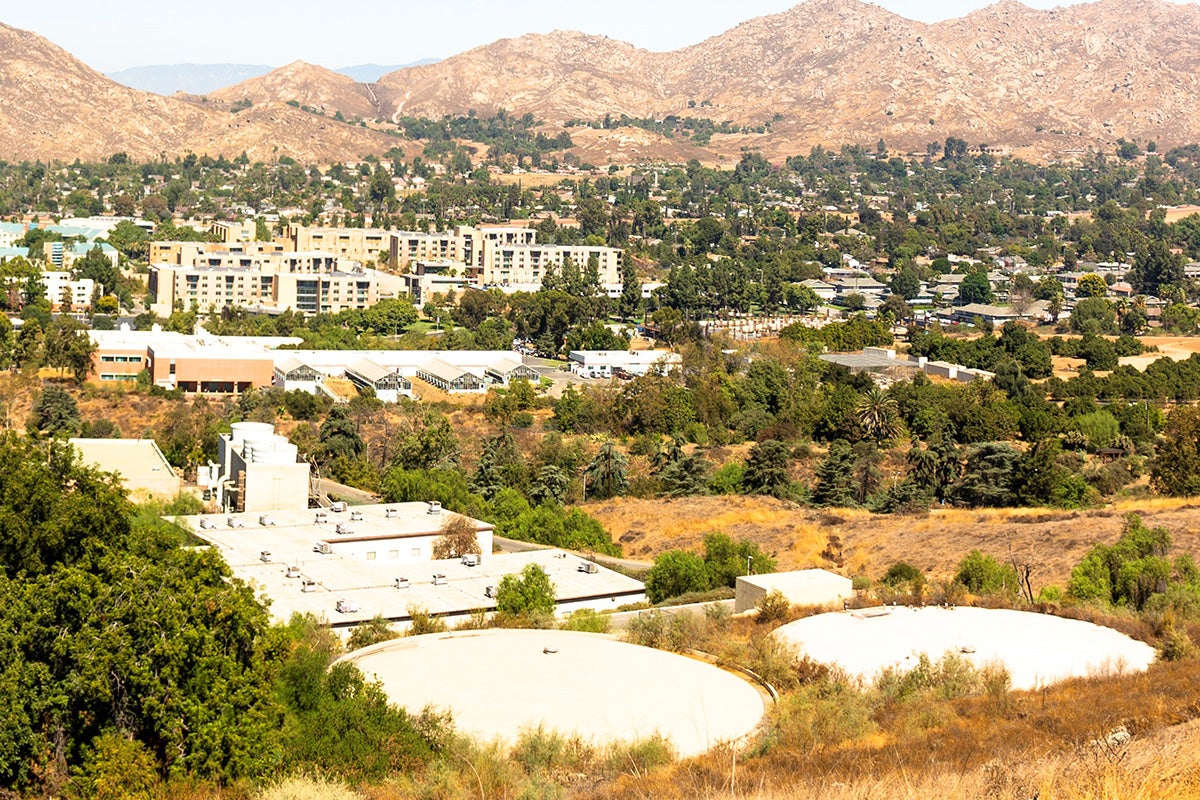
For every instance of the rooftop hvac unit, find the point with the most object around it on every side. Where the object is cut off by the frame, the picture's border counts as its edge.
(343, 530)
(439, 579)
(265, 520)
(205, 523)
(589, 568)
(323, 548)
(391, 512)
(347, 607)
(490, 592)
(293, 572)
(470, 560)
(234, 522)
(402, 583)
(339, 506)
(355, 515)
(321, 518)
(435, 507)
(308, 585)
(265, 556)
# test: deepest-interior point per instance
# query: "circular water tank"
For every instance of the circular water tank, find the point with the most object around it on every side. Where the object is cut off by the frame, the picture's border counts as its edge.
(277, 453)
(251, 431)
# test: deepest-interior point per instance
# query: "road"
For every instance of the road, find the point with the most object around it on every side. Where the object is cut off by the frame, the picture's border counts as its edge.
(323, 486)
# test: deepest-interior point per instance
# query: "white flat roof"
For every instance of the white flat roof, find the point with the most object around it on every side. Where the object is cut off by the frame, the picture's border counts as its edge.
(617, 358)
(370, 584)
(138, 461)
(1037, 649)
(602, 689)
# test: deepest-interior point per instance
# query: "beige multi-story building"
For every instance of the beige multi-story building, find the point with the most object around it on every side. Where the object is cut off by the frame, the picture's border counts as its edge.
(213, 288)
(491, 255)
(259, 279)
(355, 244)
(182, 253)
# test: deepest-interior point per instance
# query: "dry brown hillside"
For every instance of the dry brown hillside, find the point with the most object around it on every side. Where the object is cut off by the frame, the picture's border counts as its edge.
(57, 107)
(800, 537)
(846, 71)
(309, 85)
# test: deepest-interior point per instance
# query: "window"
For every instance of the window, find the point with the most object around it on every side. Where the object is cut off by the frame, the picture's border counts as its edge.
(416, 552)
(393, 553)
(370, 555)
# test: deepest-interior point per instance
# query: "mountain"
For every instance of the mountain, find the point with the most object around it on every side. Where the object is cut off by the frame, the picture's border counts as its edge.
(167, 79)
(838, 71)
(370, 73)
(310, 86)
(57, 107)
(824, 72)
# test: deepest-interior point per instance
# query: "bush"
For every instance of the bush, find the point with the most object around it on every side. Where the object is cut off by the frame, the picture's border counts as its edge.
(901, 573)
(773, 607)
(586, 620)
(982, 574)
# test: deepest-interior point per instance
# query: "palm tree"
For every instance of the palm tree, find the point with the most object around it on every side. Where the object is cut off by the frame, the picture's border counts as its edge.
(607, 475)
(878, 414)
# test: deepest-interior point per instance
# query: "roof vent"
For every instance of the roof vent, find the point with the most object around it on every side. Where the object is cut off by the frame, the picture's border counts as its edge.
(265, 556)
(402, 583)
(293, 571)
(435, 507)
(234, 522)
(439, 579)
(308, 585)
(265, 520)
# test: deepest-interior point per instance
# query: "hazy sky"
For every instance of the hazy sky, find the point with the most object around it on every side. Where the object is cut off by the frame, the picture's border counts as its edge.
(115, 34)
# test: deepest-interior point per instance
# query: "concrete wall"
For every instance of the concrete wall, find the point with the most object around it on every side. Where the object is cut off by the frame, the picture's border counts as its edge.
(810, 587)
(276, 487)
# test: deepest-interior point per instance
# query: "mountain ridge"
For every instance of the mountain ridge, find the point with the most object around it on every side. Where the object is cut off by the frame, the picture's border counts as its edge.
(825, 72)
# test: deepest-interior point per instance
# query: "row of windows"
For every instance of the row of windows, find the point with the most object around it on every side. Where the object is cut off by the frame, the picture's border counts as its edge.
(121, 359)
(372, 555)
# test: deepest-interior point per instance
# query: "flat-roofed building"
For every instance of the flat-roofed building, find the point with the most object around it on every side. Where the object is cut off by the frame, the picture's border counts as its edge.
(347, 567)
(805, 587)
(65, 293)
(356, 244)
(271, 287)
(606, 363)
(144, 470)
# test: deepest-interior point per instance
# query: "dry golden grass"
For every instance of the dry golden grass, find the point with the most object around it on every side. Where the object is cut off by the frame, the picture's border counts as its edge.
(306, 787)
(1052, 540)
(987, 746)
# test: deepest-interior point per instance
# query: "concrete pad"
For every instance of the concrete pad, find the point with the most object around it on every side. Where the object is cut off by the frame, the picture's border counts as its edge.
(1037, 649)
(499, 682)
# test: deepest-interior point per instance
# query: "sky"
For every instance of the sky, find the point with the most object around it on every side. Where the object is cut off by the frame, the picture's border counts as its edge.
(118, 34)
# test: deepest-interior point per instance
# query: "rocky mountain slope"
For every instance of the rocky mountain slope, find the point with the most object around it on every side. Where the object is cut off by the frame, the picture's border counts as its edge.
(54, 106)
(314, 87)
(824, 72)
(834, 71)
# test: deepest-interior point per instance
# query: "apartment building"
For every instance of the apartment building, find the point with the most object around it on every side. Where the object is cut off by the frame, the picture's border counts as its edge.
(490, 255)
(65, 293)
(308, 282)
(354, 244)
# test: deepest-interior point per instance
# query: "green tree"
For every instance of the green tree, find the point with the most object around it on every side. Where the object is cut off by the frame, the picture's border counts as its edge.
(976, 288)
(1091, 285)
(1176, 467)
(982, 574)
(905, 282)
(631, 291)
(55, 413)
(835, 477)
(767, 469)
(676, 572)
(607, 474)
(532, 593)
(878, 415)
(725, 559)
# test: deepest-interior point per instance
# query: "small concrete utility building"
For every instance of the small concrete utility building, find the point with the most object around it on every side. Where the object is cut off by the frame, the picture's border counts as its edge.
(259, 470)
(806, 587)
(142, 467)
